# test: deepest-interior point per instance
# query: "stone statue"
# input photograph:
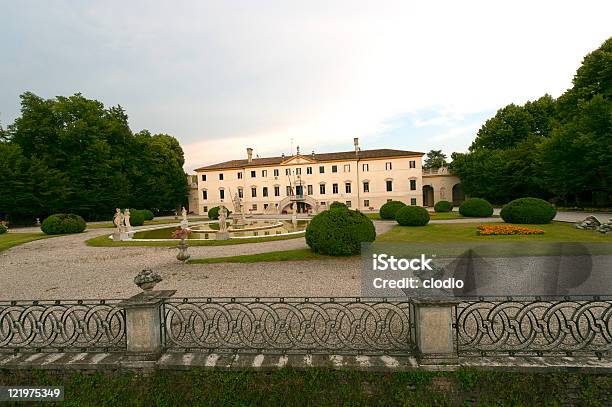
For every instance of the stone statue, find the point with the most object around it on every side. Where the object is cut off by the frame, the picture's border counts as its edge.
(222, 219)
(126, 219)
(237, 204)
(184, 213)
(118, 220)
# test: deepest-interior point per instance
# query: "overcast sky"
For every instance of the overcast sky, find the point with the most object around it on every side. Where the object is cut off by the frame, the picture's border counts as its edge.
(225, 75)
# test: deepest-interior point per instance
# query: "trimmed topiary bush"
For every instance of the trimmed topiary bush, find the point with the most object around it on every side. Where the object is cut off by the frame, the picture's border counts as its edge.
(339, 232)
(476, 208)
(443, 206)
(388, 210)
(148, 215)
(412, 216)
(528, 211)
(62, 223)
(3, 229)
(338, 205)
(213, 213)
(137, 217)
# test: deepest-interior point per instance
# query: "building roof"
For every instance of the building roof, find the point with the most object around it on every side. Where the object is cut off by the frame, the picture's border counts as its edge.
(343, 155)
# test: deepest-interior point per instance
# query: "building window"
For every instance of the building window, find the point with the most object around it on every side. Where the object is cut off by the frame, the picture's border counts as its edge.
(388, 166)
(203, 177)
(365, 167)
(276, 172)
(253, 174)
(323, 203)
(253, 192)
(347, 167)
(276, 191)
(321, 169)
(240, 193)
(266, 206)
(366, 203)
(389, 199)
(348, 204)
(298, 171)
(221, 177)
(347, 187)
(287, 171)
(264, 173)
(413, 184)
(288, 190)
(334, 188)
(205, 209)
(264, 191)
(389, 186)
(334, 168)
(413, 201)
(221, 194)
(366, 187)
(308, 170)
(204, 194)
(309, 188)
(322, 189)
(412, 164)
(254, 207)
(239, 175)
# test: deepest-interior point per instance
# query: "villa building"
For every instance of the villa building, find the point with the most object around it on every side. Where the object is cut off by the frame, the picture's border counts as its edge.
(362, 179)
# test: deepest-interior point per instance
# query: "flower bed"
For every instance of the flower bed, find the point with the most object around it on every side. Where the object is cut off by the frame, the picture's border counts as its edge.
(493, 230)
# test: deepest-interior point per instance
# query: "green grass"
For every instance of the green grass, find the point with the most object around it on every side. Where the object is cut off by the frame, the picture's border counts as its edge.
(284, 255)
(104, 241)
(320, 387)
(8, 240)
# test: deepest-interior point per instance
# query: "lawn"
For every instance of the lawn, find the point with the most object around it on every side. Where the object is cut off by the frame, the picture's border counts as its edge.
(104, 241)
(8, 240)
(284, 255)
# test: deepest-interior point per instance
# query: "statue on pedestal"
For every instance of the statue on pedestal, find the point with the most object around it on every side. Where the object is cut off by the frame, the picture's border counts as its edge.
(126, 220)
(222, 234)
(238, 215)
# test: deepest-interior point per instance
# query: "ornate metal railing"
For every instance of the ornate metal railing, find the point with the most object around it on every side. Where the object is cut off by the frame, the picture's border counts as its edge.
(537, 326)
(289, 325)
(62, 326)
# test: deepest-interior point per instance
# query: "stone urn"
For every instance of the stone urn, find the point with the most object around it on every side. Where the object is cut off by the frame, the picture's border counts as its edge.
(183, 255)
(147, 279)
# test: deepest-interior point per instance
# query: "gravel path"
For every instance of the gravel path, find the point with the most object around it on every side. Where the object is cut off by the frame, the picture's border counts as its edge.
(65, 267)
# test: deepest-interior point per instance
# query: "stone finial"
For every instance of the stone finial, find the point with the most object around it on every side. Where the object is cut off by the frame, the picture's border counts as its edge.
(147, 279)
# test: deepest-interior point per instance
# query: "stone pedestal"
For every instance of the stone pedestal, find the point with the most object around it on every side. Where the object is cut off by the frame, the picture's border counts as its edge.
(435, 333)
(222, 235)
(184, 224)
(120, 237)
(143, 320)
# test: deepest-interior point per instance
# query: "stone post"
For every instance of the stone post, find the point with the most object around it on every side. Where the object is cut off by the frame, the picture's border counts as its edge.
(143, 322)
(435, 334)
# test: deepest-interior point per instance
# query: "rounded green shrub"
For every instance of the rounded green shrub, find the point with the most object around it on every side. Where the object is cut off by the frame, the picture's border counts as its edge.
(338, 205)
(388, 210)
(3, 229)
(137, 217)
(412, 216)
(443, 206)
(148, 215)
(62, 223)
(476, 208)
(339, 232)
(213, 213)
(529, 211)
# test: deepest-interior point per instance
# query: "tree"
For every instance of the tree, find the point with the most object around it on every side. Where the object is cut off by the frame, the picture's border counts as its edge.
(435, 159)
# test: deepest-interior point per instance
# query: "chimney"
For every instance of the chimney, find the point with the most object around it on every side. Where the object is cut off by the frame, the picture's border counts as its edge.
(250, 154)
(313, 155)
(356, 142)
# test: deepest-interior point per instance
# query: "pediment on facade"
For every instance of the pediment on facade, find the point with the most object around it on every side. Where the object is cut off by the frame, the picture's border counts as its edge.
(298, 159)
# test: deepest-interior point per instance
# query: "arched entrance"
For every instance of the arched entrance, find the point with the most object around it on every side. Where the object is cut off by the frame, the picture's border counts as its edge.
(300, 206)
(458, 195)
(428, 195)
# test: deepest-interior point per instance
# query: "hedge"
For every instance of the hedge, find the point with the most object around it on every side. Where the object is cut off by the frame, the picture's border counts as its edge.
(3, 229)
(148, 215)
(528, 211)
(412, 216)
(338, 205)
(388, 210)
(137, 217)
(443, 206)
(339, 232)
(476, 208)
(62, 223)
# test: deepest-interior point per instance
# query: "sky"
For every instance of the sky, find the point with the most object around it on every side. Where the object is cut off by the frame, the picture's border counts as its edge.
(221, 76)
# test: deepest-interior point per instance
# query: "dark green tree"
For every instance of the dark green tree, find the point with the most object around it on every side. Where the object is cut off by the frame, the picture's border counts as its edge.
(434, 159)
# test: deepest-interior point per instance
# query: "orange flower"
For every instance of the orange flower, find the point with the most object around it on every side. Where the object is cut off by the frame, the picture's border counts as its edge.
(492, 230)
